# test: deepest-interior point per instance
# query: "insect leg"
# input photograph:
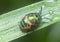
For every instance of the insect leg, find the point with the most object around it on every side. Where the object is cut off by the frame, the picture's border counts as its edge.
(23, 24)
(20, 25)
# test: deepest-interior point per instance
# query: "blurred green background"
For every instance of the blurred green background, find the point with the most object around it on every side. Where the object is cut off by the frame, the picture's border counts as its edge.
(47, 34)
(8, 5)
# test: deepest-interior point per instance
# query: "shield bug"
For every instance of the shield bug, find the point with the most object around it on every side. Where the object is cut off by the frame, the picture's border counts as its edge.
(30, 21)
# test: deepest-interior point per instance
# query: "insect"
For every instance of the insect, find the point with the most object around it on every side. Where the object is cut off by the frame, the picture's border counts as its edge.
(30, 21)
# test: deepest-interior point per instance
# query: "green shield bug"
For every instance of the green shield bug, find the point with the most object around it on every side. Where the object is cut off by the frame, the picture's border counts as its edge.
(30, 21)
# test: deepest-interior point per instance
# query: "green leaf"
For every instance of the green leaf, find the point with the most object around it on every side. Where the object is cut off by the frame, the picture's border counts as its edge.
(9, 22)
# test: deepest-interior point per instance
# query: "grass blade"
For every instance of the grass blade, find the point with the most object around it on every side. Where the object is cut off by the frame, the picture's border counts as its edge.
(9, 29)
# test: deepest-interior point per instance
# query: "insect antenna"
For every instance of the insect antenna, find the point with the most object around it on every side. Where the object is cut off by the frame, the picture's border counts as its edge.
(40, 12)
